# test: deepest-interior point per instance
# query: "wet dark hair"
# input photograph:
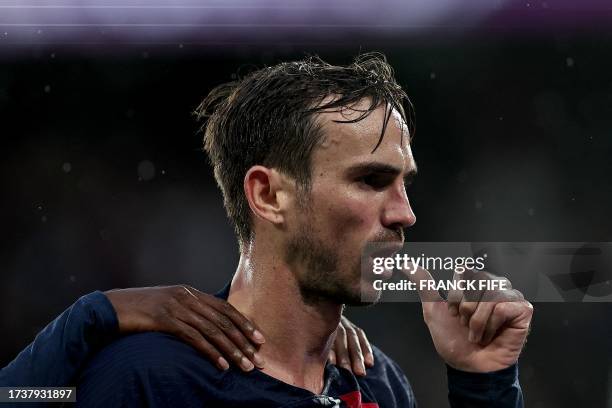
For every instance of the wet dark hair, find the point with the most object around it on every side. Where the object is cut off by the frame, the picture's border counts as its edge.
(267, 118)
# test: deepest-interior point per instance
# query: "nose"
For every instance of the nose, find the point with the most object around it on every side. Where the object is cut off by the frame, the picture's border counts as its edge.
(397, 212)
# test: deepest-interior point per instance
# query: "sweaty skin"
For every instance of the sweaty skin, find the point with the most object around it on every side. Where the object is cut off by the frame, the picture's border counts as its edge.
(357, 196)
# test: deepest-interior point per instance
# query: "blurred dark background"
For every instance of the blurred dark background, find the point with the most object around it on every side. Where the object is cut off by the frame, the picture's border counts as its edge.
(104, 184)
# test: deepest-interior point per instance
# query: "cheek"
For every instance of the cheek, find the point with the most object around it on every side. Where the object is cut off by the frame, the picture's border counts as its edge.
(348, 218)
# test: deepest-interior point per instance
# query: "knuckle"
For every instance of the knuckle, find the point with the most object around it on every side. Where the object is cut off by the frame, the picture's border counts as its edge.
(453, 302)
(476, 324)
(509, 295)
(466, 307)
(500, 309)
(224, 323)
(489, 296)
(210, 331)
(236, 354)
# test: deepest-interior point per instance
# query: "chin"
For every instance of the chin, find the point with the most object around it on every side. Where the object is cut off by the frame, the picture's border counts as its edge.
(360, 294)
(368, 295)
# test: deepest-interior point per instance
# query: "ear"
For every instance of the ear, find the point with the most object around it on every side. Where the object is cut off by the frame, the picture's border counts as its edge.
(264, 189)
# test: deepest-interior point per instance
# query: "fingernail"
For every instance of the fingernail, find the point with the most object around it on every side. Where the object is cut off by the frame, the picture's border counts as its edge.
(259, 362)
(258, 337)
(471, 337)
(246, 364)
(223, 364)
(345, 364)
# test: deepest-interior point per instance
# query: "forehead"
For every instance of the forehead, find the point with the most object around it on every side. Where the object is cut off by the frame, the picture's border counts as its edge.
(346, 144)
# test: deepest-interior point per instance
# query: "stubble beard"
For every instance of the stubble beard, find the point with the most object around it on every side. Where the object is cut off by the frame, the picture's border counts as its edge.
(318, 265)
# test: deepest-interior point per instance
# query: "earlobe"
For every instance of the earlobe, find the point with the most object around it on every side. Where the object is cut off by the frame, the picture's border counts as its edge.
(262, 187)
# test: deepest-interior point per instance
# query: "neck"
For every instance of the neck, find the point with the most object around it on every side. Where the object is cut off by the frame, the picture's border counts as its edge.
(298, 335)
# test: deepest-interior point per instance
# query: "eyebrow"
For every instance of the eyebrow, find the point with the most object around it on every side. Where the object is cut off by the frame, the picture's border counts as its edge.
(382, 168)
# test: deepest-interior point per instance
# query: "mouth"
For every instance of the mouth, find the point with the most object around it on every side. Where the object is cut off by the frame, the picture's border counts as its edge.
(386, 249)
(377, 250)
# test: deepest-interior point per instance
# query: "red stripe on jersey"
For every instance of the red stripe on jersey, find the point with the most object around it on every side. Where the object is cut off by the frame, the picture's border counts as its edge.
(353, 400)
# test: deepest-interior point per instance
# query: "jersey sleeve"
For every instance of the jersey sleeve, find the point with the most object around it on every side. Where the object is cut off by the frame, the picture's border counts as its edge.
(64, 345)
(500, 389)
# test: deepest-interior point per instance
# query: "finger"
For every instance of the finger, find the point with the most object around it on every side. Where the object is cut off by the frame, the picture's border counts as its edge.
(474, 294)
(247, 327)
(194, 338)
(479, 320)
(466, 309)
(471, 298)
(228, 327)
(484, 311)
(421, 277)
(515, 312)
(366, 348)
(215, 336)
(477, 276)
(455, 295)
(497, 319)
(511, 295)
(354, 349)
(332, 357)
(341, 349)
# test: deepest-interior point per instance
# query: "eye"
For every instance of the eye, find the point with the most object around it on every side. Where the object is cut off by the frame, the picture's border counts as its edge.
(376, 181)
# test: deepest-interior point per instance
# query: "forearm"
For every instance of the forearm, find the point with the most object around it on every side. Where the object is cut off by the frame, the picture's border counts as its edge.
(60, 349)
(500, 389)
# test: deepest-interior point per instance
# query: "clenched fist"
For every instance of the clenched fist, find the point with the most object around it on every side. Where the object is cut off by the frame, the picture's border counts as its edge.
(476, 331)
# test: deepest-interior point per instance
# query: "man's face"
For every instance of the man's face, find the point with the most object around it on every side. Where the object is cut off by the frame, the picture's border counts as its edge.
(357, 197)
